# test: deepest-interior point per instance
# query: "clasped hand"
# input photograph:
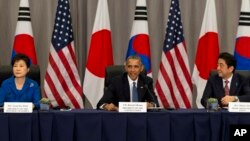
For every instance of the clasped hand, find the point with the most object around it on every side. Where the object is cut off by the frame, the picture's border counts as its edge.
(226, 99)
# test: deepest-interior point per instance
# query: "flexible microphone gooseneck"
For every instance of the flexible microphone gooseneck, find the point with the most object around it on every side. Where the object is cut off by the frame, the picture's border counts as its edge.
(152, 95)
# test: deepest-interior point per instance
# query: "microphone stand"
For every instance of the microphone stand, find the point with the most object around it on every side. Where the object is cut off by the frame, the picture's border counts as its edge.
(156, 107)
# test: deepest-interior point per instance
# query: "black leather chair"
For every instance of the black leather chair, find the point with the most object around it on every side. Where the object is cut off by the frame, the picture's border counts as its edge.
(6, 72)
(244, 73)
(111, 72)
(114, 70)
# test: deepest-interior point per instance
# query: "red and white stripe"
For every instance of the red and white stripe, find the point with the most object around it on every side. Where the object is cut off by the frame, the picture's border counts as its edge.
(62, 83)
(174, 87)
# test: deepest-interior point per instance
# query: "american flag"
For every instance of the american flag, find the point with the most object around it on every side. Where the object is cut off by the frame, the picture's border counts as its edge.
(62, 82)
(174, 86)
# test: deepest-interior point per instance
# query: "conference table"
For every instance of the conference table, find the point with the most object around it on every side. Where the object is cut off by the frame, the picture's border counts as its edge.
(98, 125)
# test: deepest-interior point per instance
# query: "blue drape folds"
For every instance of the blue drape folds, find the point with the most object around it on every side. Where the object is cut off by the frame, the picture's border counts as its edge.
(93, 125)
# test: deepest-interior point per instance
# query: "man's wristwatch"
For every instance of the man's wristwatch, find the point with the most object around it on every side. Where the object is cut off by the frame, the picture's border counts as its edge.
(153, 104)
(236, 99)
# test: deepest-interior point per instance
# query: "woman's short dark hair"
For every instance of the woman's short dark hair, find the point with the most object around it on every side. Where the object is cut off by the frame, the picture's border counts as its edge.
(19, 57)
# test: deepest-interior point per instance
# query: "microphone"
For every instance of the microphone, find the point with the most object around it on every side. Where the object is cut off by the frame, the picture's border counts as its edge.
(152, 95)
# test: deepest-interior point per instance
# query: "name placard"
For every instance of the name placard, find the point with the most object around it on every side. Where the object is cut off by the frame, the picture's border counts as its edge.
(132, 107)
(239, 107)
(18, 107)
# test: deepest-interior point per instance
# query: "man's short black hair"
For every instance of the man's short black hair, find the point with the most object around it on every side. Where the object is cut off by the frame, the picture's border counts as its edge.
(229, 59)
(19, 57)
(134, 57)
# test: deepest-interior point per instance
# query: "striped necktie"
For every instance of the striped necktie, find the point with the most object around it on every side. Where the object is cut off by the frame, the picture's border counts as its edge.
(226, 88)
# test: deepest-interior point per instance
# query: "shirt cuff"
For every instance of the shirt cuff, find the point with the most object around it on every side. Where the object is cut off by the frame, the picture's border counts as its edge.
(102, 106)
(236, 99)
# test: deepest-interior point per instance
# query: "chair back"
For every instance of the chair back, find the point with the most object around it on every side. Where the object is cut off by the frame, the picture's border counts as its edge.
(115, 70)
(6, 72)
(244, 73)
(111, 72)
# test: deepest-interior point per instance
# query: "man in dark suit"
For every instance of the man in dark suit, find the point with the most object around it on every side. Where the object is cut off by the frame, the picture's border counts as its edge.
(226, 86)
(121, 87)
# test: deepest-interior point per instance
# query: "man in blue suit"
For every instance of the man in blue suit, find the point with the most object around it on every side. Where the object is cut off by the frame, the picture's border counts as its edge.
(226, 86)
(120, 89)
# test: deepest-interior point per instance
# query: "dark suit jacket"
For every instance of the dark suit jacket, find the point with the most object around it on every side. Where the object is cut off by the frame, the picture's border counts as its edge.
(214, 88)
(119, 90)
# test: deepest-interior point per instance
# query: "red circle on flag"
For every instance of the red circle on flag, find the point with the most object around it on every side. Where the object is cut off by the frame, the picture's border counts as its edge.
(141, 44)
(100, 53)
(207, 54)
(24, 43)
(243, 47)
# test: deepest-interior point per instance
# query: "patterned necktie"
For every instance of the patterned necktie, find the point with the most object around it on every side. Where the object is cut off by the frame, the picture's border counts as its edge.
(134, 93)
(226, 88)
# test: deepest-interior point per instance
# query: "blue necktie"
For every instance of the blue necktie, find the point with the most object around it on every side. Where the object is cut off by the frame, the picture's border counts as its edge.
(134, 93)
